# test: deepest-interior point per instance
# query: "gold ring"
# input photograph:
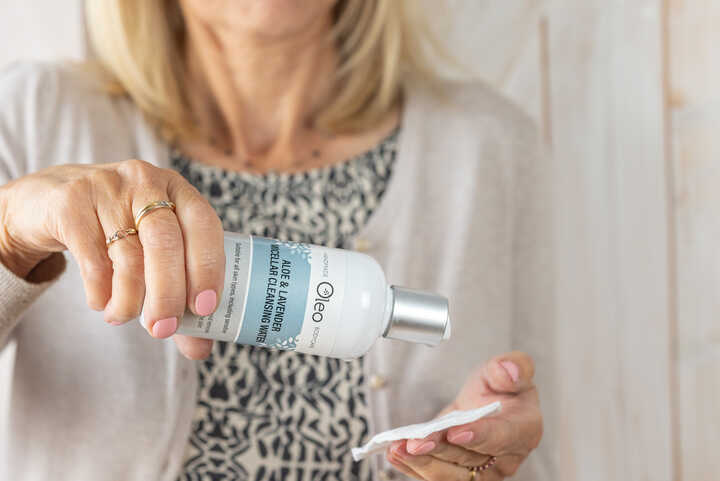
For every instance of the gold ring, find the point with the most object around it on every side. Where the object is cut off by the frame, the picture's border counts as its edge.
(160, 204)
(121, 234)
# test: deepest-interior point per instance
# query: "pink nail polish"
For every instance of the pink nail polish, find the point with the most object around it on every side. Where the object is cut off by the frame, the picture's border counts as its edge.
(400, 451)
(512, 370)
(413, 444)
(206, 302)
(461, 438)
(424, 448)
(165, 327)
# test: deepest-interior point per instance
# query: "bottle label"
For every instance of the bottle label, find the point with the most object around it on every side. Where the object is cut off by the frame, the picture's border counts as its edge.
(279, 284)
(284, 295)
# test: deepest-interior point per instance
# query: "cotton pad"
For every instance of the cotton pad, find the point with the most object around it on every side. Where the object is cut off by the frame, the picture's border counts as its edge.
(418, 431)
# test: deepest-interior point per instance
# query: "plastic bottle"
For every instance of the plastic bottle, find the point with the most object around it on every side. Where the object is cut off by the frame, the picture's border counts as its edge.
(316, 300)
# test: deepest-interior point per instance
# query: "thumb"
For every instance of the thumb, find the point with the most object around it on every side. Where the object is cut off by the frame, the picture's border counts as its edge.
(192, 347)
(510, 373)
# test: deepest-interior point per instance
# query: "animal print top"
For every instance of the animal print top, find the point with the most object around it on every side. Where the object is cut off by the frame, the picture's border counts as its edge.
(268, 415)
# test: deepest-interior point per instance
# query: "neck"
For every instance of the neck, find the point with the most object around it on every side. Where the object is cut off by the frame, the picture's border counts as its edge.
(255, 95)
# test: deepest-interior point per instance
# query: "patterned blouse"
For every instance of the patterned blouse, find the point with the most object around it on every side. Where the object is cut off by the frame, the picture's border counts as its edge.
(274, 415)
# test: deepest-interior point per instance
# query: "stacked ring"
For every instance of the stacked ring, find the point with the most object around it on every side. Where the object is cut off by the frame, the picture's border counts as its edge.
(160, 204)
(121, 234)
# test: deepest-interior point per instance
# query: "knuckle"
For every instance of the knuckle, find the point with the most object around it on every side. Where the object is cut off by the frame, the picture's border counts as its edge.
(139, 171)
(200, 213)
(134, 166)
(174, 175)
(69, 195)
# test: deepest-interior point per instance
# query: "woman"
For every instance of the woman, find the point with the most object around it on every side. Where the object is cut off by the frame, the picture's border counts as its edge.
(311, 121)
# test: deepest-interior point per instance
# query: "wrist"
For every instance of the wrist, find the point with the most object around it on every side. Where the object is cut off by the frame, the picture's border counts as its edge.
(17, 263)
(16, 259)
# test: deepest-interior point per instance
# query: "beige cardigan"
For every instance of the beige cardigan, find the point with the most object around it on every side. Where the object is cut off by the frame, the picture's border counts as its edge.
(466, 214)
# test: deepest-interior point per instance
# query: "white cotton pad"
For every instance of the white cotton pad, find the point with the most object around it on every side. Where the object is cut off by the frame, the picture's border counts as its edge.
(418, 431)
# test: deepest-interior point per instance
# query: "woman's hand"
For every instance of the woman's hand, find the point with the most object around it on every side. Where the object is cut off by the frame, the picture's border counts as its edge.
(509, 435)
(176, 260)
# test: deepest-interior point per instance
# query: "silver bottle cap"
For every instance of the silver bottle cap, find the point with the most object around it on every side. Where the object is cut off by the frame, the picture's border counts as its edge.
(417, 316)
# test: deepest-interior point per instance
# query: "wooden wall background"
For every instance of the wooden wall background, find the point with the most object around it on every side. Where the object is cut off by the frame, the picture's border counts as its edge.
(627, 93)
(628, 96)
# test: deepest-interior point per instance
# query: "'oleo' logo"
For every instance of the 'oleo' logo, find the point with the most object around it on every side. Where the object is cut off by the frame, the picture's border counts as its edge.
(324, 291)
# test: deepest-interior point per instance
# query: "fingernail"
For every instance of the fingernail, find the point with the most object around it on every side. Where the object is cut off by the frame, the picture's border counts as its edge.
(512, 370)
(424, 448)
(115, 323)
(399, 451)
(165, 327)
(205, 302)
(461, 438)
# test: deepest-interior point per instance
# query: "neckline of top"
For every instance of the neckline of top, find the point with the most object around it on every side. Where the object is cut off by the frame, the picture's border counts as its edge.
(178, 156)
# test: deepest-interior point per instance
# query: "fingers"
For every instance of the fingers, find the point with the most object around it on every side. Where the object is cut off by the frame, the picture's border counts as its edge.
(430, 468)
(414, 445)
(80, 231)
(176, 262)
(444, 451)
(397, 460)
(204, 246)
(86, 242)
(510, 373)
(164, 264)
(400, 466)
(126, 254)
(128, 280)
(192, 347)
(499, 435)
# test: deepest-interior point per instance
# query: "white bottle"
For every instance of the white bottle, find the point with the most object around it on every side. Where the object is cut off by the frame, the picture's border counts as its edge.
(316, 300)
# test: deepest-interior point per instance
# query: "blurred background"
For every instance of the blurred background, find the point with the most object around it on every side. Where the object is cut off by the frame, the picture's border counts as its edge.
(627, 95)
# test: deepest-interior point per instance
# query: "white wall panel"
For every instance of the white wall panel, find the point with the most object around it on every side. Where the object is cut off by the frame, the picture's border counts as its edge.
(40, 30)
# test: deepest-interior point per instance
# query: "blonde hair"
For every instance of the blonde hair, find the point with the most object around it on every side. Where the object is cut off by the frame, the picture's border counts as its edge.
(138, 44)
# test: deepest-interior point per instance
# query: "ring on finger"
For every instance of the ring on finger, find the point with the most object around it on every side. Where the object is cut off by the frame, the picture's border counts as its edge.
(478, 469)
(120, 234)
(159, 204)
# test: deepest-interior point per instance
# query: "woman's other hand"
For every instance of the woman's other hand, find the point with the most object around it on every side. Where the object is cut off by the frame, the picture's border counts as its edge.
(176, 260)
(509, 435)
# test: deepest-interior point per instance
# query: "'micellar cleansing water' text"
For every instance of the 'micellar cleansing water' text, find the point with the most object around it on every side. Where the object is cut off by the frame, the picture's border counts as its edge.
(313, 299)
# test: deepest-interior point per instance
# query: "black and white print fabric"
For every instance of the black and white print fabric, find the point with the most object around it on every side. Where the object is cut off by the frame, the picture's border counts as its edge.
(268, 415)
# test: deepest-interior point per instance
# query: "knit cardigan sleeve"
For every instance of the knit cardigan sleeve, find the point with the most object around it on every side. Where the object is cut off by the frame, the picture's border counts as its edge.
(17, 294)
